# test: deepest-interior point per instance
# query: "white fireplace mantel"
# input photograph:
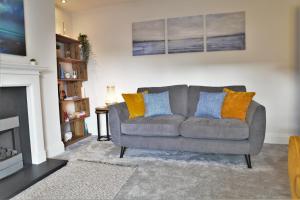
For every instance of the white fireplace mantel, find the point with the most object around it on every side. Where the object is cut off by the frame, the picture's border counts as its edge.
(18, 68)
(19, 75)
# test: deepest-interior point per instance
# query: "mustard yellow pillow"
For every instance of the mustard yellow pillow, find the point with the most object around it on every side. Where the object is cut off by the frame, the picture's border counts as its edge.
(135, 104)
(236, 104)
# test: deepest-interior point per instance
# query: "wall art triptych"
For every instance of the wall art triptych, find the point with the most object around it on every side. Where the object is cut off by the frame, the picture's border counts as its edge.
(213, 32)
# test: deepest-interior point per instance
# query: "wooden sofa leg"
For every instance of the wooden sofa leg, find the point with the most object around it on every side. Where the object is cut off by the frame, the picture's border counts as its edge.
(123, 149)
(248, 160)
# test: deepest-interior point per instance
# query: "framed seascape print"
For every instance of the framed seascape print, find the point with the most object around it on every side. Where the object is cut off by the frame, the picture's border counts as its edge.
(225, 31)
(12, 27)
(185, 34)
(148, 38)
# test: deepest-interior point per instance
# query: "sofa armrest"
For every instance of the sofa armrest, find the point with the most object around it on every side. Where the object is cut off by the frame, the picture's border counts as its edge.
(256, 119)
(118, 113)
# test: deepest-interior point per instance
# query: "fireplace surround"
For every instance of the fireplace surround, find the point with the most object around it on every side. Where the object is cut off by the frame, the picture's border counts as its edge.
(20, 75)
(26, 78)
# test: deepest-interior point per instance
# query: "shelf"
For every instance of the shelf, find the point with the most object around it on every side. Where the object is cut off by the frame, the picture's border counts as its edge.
(71, 80)
(74, 100)
(75, 120)
(70, 60)
(76, 139)
(65, 39)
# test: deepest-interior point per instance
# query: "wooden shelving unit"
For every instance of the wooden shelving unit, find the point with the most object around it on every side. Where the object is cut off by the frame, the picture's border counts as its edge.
(69, 55)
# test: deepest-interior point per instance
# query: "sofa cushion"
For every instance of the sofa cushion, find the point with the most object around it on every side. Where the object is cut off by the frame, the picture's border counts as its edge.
(193, 95)
(236, 104)
(167, 125)
(210, 105)
(135, 104)
(178, 95)
(203, 128)
(157, 104)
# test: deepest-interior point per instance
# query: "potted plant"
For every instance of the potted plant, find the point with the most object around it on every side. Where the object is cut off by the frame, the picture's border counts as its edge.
(85, 47)
(33, 61)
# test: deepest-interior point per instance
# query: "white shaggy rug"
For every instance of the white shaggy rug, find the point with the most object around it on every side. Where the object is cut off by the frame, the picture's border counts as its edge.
(80, 180)
(193, 176)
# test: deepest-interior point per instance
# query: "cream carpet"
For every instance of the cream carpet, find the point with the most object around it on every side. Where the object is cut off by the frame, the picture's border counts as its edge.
(96, 172)
(80, 180)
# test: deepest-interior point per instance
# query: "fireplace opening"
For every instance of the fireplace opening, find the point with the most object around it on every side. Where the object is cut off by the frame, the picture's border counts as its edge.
(11, 159)
(15, 148)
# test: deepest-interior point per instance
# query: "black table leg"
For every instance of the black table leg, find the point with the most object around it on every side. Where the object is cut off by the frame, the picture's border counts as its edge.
(98, 126)
(107, 128)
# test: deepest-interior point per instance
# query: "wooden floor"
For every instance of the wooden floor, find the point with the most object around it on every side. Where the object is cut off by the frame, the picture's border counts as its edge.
(29, 175)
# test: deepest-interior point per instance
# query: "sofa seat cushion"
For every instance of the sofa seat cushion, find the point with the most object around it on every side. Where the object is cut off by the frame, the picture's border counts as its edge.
(167, 125)
(203, 128)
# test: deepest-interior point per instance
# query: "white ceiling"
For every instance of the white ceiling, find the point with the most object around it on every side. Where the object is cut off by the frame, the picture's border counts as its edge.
(80, 5)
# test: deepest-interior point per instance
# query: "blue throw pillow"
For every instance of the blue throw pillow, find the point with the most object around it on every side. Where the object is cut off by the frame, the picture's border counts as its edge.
(210, 105)
(157, 104)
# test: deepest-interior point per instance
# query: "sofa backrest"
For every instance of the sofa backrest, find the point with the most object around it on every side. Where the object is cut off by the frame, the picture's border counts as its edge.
(193, 94)
(178, 97)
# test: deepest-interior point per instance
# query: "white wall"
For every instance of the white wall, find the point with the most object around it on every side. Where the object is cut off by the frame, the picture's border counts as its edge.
(266, 67)
(40, 42)
(63, 22)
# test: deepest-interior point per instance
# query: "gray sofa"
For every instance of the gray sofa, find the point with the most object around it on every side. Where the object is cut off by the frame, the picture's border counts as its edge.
(184, 132)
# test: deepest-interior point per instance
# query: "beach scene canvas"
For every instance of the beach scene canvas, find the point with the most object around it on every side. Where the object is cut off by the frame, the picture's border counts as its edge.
(185, 34)
(12, 28)
(226, 31)
(148, 37)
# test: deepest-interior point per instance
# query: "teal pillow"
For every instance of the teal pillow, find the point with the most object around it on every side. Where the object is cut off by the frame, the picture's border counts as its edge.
(210, 104)
(157, 104)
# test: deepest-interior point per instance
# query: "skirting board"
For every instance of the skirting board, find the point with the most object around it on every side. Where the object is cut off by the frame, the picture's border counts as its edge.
(277, 138)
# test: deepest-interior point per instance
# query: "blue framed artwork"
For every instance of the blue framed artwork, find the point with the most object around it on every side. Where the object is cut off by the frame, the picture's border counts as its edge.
(185, 34)
(12, 27)
(225, 31)
(148, 38)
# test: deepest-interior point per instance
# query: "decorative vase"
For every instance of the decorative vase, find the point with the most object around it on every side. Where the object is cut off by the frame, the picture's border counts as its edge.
(68, 136)
(74, 74)
(70, 108)
(67, 75)
(33, 62)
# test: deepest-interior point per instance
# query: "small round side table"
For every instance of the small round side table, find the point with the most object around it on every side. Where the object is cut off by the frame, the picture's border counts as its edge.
(99, 111)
